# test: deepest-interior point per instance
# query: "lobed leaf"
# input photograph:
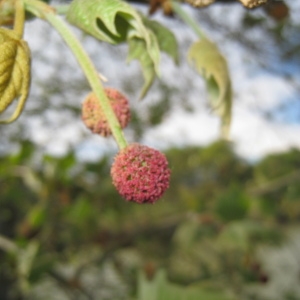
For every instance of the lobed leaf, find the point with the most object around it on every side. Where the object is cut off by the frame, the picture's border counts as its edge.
(106, 20)
(209, 62)
(165, 41)
(115, 21)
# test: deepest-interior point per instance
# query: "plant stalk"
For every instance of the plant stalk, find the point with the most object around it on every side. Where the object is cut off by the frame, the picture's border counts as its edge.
(19, 18)
(44, 11)
(187, 19)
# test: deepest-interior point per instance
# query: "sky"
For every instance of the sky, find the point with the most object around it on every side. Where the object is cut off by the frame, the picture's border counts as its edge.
(258, 93)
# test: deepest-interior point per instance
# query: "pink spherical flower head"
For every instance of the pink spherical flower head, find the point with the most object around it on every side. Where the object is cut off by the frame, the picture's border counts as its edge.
(140, 173)
(94, 118)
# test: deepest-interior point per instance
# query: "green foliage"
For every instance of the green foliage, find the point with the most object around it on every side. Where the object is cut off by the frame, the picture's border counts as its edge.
(232, 205)
(115, 22)
(58, 214)
(138, 50)
(160, 289)
(201, 175)
(107, 20)
(165, 38)
(210, 63)
(279, 176)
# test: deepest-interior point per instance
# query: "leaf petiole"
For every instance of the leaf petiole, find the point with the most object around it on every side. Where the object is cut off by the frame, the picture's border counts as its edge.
(19, 18)
(188, 20)
(44, 11)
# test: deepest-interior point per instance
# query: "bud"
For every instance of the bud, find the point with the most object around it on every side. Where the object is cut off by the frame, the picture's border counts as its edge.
(14, 72)
(140, 173)
(94, 117)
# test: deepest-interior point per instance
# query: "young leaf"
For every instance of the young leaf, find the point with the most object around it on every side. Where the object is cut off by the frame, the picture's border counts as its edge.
(106, 20)
(115, 21)
(165, 41)
(165, 38)
(209, 62)
(138, 50)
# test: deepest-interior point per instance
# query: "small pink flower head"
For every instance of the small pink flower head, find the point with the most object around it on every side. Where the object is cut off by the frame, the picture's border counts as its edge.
(93, 116)
(140, 173)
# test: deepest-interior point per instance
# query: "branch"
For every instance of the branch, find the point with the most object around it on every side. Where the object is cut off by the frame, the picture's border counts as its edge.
(275, 184)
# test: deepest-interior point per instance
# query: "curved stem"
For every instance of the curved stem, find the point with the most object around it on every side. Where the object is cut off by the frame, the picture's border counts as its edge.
(187, 19)
(19, 18)
(62, 9)
(44, 11)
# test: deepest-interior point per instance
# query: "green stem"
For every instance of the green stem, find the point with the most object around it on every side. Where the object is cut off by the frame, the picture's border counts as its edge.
(19, 18)
(44, 11)
(187, 19)
(62, 9)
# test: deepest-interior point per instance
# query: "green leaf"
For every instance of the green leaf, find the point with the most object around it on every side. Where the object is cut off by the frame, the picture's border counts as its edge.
(138, 50)
(115, 21)
(160, 289)
(107, 20)
(165, 38)
(162, 39)
(209, 62)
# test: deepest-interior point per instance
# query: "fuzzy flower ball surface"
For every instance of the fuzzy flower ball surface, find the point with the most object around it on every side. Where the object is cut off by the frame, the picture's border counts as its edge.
(140, 173)
(94, 118)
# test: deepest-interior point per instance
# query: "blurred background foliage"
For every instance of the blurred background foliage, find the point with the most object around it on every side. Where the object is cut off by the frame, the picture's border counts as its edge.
(218, 233)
